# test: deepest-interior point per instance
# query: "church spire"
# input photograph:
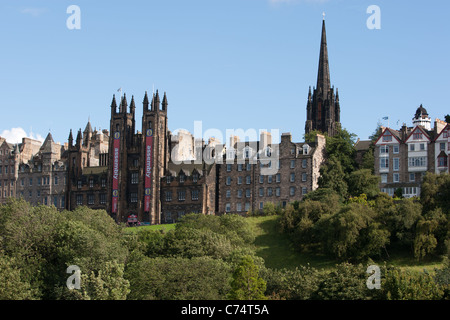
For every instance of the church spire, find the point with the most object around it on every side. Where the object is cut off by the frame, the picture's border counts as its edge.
(323, 75)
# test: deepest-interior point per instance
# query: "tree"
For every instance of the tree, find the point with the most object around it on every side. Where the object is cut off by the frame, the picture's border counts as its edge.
(363, 182)
(332, 176)
(246, 283)
(447, 118)
(12, 286)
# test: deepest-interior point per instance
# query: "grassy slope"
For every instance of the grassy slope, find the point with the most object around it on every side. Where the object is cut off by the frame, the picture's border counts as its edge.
(277, 251)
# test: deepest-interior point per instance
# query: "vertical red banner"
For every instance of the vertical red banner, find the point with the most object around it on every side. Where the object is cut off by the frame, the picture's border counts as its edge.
(148, 168)
(115, 181)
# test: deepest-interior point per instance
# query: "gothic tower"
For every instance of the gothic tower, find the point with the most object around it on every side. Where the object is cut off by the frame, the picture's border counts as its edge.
(155, 155)
(323, 110)
(137, 161)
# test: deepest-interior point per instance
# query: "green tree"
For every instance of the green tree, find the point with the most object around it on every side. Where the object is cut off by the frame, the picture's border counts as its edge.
(363, 181)
(246, 283)
(447, 118)
(332, 176)
(12, 286)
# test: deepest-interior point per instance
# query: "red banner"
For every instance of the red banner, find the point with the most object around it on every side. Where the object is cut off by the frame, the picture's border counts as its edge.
(148, 168)
(115, 181)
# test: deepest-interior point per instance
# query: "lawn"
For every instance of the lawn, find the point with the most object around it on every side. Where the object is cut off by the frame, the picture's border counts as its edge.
(165, 227)
(277, 251)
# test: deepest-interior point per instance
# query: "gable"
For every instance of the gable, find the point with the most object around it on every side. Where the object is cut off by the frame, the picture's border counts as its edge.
(387, 137)
(444, 135)
(418, 135)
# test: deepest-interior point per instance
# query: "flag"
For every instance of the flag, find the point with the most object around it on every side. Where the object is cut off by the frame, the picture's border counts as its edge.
(119, 90)
(385, 118)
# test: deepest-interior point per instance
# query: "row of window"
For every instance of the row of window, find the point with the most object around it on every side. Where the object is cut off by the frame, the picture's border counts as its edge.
(396, 177)
(407, 192)
(412, 162)
(91, 199)
(182, 178)
(248, 166)
(248, 179)
(269, 192)
(181, 195)
(41, 181)
(91, 183)
(384, 149)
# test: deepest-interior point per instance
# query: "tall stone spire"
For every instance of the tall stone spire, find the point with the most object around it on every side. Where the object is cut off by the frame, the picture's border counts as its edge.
(323, 74)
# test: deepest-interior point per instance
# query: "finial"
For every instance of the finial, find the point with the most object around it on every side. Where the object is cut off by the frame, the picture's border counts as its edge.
(323, 14)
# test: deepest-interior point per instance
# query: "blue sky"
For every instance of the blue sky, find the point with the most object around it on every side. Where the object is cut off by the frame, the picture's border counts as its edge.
(231, 64)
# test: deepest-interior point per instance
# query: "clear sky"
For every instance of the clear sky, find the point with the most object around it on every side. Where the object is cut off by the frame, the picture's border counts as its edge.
(228, 63)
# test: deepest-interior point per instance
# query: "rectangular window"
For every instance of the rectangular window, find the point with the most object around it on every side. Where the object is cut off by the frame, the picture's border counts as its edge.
(304, 163)
(269, 179)
(269, 192)
(292, 179)
(396, 177)
(227, 207)
(396, 164)
(387, 137)
(194, 195)
(247, 193)
(91, 183)
(63, 201)
(79, 199)
(103, 181)
(195, 177)
(384, 178)
(384, 150)
(181, 178)
(278, 177)
(422, 146)
(90, 199)
(292, 164)
(247, 206)
(31, 181)
(395, 148)
(133, 197)
(412, 177)
(412, 147)
(56, 181)
(261, 205)
(442, 146)
(261, 179)
(55, 201)
(261, 192)
(181, 195)
(134, 178)
(239, 193)
(228, 181)
(417, 161)
(249, 167)
(228, 193)
(168, 179)
(248, 180)
(417, 136)
(168, 196)
(238, 207)
(239, 180)
(384, 163)
(277, 191)
(22, 182)
(79, 184)
(228, 167)
(240, 167)
(102, 198)
(304, 190)
(292, 191)
(39, 181)
(304, 176)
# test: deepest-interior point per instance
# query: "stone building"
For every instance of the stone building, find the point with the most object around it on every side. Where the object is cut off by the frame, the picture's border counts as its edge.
(9, 158)
(42, 179)
(87, 168)
(253, 173)
(402, 157)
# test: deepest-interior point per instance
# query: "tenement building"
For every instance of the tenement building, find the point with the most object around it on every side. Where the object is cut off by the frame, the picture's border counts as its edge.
(402, 157)
(256, 172)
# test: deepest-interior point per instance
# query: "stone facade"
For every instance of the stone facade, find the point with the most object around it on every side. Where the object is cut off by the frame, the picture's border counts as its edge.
(254, 173)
